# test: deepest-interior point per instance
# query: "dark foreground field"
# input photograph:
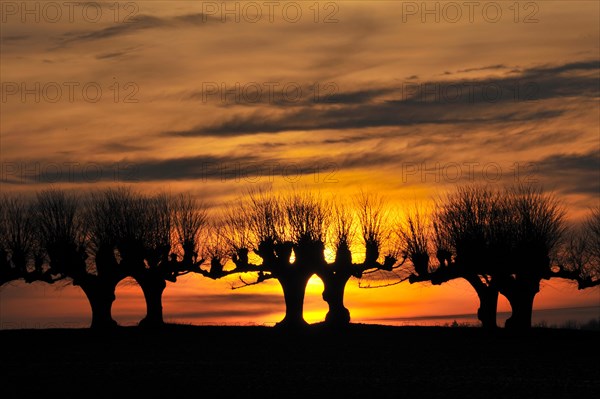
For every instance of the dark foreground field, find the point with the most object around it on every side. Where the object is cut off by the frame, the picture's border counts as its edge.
(363, 361)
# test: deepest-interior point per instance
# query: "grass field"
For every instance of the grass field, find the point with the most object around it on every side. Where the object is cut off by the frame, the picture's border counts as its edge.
(367, 361)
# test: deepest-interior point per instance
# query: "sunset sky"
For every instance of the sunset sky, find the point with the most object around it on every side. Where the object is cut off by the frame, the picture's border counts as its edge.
(406, 99)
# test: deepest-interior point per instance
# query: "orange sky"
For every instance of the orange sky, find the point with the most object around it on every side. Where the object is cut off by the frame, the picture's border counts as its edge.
(380, 95)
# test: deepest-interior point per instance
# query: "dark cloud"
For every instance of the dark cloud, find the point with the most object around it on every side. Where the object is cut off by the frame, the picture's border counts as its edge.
(388, 114)
(195, 19)
(110, 55)
(120, 147)
(557, 69)
(248, 168)
(201, 167)
(356, 97)
(209, 313)
(13, 38)
(485, 68)
(135, 24)
(571, 173)
(528, 139)
(491, 100)
(284, 95)
(230, 297)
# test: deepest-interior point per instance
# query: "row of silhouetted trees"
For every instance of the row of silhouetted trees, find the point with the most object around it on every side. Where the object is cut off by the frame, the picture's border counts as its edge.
(503, 242)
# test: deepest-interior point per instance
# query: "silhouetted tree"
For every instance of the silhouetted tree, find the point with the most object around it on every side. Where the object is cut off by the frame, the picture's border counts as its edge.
(536, 230)
(63, 237)
(20, 253)
(152, 233)
(373, 221)
(150, 253)
(104, 219)
(500, 242)
(336, 275)
(580, 257)
(464, 226)
(277, 227)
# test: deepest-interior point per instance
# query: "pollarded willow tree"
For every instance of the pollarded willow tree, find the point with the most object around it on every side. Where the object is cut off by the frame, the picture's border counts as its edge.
(536, 228)
(371, 214)
(156, 238)
(289, 234)
(503, 241)
(21, 257)
(144, 243)
(464, 225)
(115, 234)
(580, 257)
(277, 227)
(63, 236)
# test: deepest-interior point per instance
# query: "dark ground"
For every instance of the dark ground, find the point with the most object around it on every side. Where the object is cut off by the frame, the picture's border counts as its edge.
(366, 361)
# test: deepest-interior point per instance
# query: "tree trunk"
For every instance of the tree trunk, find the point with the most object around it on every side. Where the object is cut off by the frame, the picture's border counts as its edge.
(333, 294)
(488, 308)
(294, 288)
(152, 287)
(101, 295)
(521, 303)
(488, 303)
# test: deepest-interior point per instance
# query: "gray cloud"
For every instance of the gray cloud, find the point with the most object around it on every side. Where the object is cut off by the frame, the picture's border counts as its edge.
(220, 313)
(242, 168)
(485, 68)
(230, 297)
(120, 147)
(357, 117)
(201, 167)
(115, 54)
(530, 138)
(509, 99)
(572, 173)
(135, 24)
(195, 19)
(13, 38)
(557, 69)
(296, 95)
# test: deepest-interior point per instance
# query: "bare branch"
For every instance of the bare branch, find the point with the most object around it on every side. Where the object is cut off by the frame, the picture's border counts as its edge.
(307, 217)
(372, 215)
(261, 277)
(191, 222)
(61, 232)
(413, 233)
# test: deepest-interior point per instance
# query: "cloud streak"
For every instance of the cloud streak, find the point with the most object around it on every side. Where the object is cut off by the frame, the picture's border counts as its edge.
(136, 24)
(483, 101)
(572, 173)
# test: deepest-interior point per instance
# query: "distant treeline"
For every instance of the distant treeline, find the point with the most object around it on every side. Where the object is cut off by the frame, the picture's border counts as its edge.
(501, 241)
